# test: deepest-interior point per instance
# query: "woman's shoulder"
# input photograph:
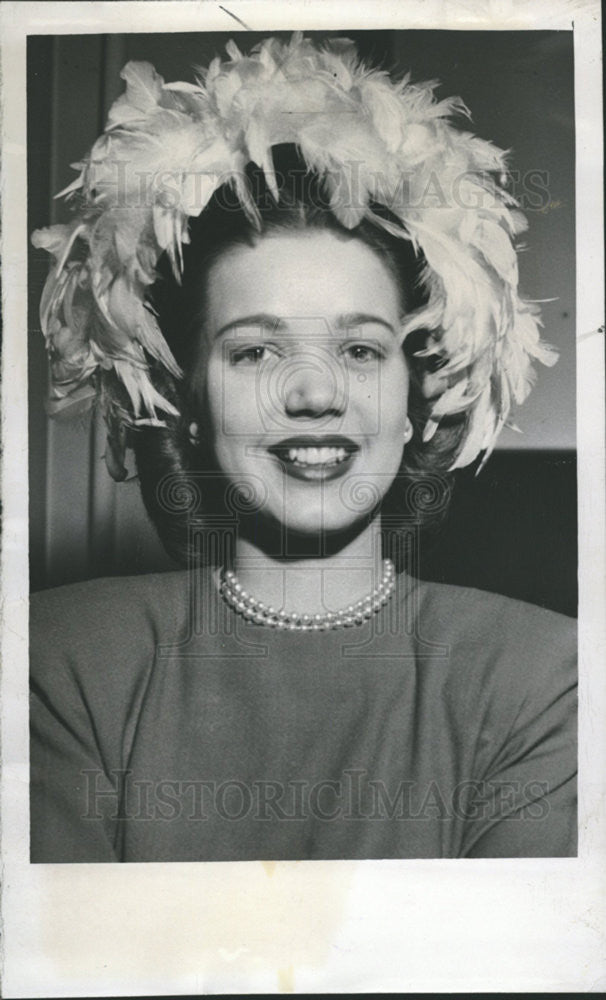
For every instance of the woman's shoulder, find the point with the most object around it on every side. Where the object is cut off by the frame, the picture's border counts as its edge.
(109, 590)
(497, 625)
(106, 619)
(480, 602)
(84, 603)
(507, 662)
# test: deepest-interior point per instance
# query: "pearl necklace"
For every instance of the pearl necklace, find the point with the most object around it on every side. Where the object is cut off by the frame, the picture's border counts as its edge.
(257, 613)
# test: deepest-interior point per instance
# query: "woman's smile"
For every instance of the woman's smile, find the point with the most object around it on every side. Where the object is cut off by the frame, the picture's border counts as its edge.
(315, 458)
(305, 377)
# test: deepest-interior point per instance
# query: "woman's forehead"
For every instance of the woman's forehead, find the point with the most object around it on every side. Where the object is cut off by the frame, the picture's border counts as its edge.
(312, 275)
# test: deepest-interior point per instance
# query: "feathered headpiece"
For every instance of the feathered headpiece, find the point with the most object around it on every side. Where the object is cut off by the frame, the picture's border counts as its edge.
(166, 149)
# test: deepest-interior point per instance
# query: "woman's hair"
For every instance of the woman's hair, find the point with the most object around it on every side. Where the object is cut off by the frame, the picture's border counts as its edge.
(420, 491)
(314, 112)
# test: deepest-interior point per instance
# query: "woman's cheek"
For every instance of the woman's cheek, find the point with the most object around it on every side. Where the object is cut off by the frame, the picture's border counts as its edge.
(380, 402)
(230, 405)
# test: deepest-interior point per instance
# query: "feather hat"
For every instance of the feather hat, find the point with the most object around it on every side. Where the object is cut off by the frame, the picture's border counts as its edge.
(373, 140)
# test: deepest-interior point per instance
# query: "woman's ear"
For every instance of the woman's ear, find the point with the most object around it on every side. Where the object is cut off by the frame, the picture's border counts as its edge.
(194, 434)
(408, 431)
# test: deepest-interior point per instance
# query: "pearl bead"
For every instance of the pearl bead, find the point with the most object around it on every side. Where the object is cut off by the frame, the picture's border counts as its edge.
(256, 612)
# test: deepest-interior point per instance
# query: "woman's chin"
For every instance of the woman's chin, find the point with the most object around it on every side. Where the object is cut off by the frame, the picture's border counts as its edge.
(321, 527)
(306, 526)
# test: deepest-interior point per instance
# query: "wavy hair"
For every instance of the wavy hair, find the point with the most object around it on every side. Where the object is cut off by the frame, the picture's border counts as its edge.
(420, 492)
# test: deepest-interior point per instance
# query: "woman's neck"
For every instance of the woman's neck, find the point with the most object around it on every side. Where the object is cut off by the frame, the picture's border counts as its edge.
(308, 583)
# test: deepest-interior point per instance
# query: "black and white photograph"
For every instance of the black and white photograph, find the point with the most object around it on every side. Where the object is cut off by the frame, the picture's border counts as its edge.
(288, 285)
(301, 543)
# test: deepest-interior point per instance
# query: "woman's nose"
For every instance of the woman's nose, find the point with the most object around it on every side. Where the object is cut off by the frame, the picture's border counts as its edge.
(313, 388)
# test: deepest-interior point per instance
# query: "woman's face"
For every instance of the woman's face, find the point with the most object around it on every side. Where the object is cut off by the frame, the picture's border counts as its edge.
(306, 380)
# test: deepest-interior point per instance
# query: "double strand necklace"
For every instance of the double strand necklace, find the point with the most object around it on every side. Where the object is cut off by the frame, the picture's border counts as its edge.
(257, 613)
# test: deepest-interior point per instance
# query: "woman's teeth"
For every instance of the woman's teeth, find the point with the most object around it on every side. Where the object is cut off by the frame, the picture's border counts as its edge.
(317, 456)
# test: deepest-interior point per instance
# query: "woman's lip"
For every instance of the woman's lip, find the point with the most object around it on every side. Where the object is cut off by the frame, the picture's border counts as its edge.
(311, 441)
(318, 472)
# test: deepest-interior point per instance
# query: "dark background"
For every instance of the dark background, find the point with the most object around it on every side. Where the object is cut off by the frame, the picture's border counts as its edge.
(512, 529)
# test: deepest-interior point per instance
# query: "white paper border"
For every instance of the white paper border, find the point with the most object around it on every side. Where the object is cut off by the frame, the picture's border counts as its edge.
(381, 926)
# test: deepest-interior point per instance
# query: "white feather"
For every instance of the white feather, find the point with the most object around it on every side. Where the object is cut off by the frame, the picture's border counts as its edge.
(435, 179)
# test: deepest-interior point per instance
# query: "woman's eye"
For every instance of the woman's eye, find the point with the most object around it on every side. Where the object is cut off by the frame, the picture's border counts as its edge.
(249, 355)
(363, 353)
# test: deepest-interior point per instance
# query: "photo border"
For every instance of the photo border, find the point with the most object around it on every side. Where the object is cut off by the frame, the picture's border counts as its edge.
(306, 926)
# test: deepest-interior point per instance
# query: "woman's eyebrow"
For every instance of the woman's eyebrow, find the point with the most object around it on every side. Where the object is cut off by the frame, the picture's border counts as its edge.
(257, 319)
(347, 320)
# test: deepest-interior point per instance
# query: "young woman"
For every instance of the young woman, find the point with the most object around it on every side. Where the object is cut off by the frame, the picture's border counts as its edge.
(299, 347)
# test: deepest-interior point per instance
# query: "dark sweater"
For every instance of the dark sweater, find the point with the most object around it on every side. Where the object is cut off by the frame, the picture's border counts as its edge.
(165, 729)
